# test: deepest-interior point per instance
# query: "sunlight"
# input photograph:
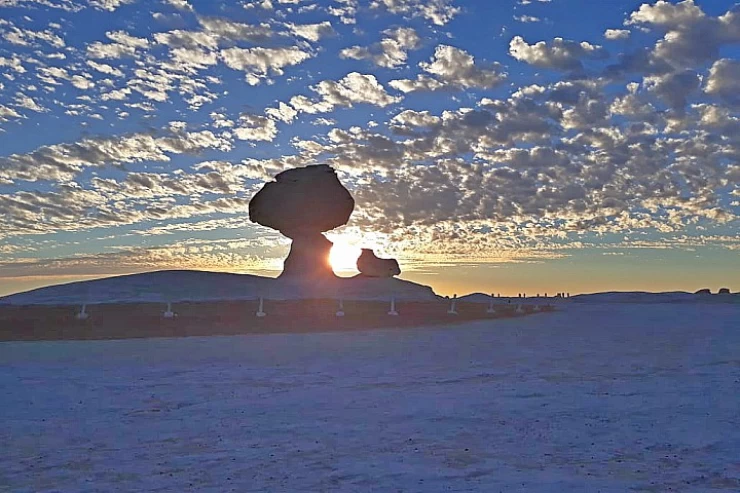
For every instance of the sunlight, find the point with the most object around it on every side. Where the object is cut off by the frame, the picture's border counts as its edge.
(343, 257)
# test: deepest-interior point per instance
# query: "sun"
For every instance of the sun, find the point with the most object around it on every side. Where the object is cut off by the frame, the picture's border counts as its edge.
(343, 257)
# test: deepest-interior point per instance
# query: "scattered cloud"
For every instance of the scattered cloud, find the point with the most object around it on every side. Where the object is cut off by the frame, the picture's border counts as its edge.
(560, 54)
(452, 67)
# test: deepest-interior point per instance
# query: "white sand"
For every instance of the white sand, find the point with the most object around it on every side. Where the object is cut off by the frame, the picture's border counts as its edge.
(607, 398)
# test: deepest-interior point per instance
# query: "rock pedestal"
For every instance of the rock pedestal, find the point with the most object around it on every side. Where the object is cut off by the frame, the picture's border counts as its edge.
(308, 258)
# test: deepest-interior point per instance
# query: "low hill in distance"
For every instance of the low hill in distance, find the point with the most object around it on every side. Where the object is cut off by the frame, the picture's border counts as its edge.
(189, 285)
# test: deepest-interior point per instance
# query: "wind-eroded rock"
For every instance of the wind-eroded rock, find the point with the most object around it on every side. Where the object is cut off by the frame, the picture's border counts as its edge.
(371, 266)
(303, 201)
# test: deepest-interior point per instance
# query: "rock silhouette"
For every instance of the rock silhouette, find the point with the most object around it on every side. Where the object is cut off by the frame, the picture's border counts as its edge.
(303, 203)
(371, 266)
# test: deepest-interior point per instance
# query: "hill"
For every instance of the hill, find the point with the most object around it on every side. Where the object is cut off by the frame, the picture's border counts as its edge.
(189, 285)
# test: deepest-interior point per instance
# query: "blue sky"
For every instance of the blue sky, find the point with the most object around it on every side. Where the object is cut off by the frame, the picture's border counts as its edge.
(502, 146)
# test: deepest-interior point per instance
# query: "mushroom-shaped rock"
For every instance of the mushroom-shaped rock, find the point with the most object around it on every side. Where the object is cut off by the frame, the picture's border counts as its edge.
(371, 266)
(723, 291)
(303, 201)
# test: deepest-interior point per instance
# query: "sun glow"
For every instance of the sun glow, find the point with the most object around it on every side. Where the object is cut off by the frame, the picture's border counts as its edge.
(343, 257)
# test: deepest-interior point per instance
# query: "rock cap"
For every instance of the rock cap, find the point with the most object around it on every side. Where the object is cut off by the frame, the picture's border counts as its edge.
(303, 201)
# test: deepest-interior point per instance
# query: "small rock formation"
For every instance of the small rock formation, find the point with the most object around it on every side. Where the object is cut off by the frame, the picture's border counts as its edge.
(704, 291)
(303, 203)
(371, 266)
(724, 291)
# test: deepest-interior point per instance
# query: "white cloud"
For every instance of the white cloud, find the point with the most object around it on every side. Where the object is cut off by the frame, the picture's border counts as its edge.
(616, 34)
(14, 63)
(691, 38)
(23, 101)
(311, 32)
(526, 18)
(235, 31)
(390, 52)
(104, 68)
(62, 162)
(64, 5)
(180, 5)
(283, 112)
(260, 62)
(455, 68)
(7, 113)
(421, 83)
(109, 5)
(560, 54)
(438, 12)
(26, 37)
(255, 127)
(674, 88)
(724, 80)
(352, 89)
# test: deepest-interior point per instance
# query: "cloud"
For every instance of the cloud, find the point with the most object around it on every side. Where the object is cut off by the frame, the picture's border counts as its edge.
(255, 127)
(263, 254)
(180, 5)
(452, 68)
(346, 10)
(420, 83)
(354, 88)
(390, 52)
(283, 112)
(724, 80)
(691, 37)
(456, 67)
(64, 5)
(438, 12)
(7, 113)
(259, 63)
(14, 63)
(560, 54)
(104, 68)
(26, 37)
(311, 32)
(616, 34)
(526, 18)
(26, 102)
(124, 45)
(235, 31)
(63, 162)
(109, 5)
(646, 146)
(674, 88)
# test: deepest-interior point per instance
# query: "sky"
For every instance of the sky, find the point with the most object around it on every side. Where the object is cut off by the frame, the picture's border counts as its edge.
(500, 146)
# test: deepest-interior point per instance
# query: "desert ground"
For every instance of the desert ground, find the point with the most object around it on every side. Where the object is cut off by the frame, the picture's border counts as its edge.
(592, 397)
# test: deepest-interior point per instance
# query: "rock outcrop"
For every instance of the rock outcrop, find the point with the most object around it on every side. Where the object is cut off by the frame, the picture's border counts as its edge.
(704, 291)
(302, 204)
(724, 291)
(371, 266)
